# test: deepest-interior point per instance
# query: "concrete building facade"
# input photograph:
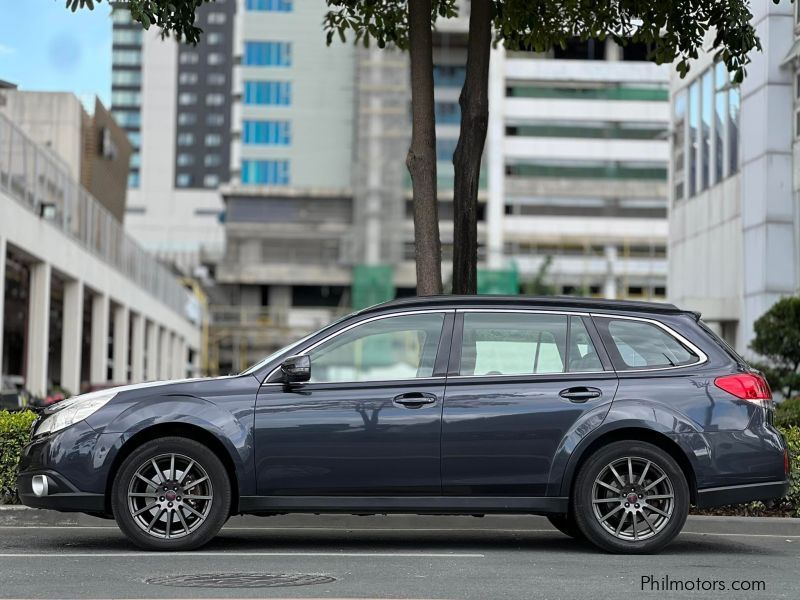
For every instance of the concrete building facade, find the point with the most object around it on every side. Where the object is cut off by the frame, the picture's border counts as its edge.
(735, 175)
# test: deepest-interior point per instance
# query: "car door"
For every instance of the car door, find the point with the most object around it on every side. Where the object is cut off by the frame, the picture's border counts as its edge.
(369, 420)
(518, 382)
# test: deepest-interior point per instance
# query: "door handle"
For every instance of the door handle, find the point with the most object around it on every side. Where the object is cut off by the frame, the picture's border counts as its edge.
(580, 394)
(415, 399)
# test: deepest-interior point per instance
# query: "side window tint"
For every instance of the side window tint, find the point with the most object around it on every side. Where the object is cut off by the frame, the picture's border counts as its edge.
(582, 353)
(402, 347)
(644, 345)
(513, 344)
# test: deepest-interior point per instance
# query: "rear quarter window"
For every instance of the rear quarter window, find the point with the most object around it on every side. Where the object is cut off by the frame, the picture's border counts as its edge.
(635, 345)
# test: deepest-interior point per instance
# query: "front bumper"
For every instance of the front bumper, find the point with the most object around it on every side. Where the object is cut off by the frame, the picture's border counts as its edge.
(60, 494)
(738, 494)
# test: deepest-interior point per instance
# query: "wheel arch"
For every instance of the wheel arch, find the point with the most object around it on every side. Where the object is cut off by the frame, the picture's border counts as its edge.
(630, 433)
(184, 430)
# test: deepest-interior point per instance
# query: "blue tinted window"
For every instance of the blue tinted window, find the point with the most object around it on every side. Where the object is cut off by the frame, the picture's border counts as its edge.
(271, 133)
(265, 172)
(270, 5)
(268, 54)
(278, 93)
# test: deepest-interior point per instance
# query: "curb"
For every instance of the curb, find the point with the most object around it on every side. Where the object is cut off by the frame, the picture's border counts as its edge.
(22, 516)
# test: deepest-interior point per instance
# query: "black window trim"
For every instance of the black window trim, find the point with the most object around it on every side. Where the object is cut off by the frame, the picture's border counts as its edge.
(611, 348)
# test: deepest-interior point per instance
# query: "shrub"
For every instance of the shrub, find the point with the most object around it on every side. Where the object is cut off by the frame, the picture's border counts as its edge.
(791, 502)
(15, 431)
(787, 413)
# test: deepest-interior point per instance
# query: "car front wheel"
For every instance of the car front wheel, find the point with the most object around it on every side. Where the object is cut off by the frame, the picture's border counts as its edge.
(631, 497)
(171, 493)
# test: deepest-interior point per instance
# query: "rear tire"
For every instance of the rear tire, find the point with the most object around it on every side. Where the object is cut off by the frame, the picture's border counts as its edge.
(630, 497)
(566, 525)
(171, 493)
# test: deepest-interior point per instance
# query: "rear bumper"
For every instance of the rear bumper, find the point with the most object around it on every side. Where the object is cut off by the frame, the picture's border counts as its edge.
(737, 494)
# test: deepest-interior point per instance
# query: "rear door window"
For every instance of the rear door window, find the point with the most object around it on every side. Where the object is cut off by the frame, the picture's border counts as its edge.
(642, 345)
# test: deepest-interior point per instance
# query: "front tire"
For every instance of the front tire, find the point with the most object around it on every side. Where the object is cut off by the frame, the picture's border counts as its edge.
(171, 493)
(631, 497)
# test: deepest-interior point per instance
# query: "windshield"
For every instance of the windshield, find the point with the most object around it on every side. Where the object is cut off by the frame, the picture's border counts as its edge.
(287, 349)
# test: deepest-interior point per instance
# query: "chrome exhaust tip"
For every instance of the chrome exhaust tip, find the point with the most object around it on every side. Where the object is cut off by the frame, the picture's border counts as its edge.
(40, 485)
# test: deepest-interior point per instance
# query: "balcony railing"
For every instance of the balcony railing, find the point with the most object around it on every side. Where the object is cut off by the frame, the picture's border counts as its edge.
(41, 183)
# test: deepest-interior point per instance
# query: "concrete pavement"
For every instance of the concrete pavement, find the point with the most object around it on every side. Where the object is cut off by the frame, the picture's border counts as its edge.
(50, 555)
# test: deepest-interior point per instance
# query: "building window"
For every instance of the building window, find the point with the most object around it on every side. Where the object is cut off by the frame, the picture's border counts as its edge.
(185, 139)
(185, 160)
(211, 181)
(125, 98)
(217, 18)
(276, 93)
(121, 16)
(215, 58)
(678, 146)
(133, 179)
(130, 37)
(126, 57)
(183, 180)
(187, 118)
(269, 54)
(135, 138)
(214, 38)
(136, 160)
(215, 119)
(215, 99)
(213, 139)
(187, 98)
(270, 5)
(734, 102)
(120, 77)
(215, 79)
(449, 75)
(271, 133)
(127, 118)
(694, 131)
(187, 78)
(707, 92)
(447, 112)
(720, 121)
(265, 172)
(212, 160)
(189, 58)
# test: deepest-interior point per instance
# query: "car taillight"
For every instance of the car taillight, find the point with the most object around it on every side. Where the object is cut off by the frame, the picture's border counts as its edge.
(746, 386)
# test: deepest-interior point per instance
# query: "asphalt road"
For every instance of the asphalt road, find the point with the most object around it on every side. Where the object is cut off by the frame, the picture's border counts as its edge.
(394, 557)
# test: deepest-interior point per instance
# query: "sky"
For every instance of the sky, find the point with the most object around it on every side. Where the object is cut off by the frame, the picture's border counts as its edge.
(45, 46)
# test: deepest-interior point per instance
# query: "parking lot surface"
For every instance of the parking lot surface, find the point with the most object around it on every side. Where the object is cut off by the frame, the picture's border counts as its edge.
(48, 555)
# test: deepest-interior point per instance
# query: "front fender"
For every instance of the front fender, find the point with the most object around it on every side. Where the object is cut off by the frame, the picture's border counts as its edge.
(641, 419)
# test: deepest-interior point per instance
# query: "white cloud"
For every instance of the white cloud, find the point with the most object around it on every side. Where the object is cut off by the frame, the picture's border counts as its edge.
(6, 50)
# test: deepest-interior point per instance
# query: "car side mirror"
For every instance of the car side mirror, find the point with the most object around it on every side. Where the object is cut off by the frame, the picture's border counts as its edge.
(296, 369)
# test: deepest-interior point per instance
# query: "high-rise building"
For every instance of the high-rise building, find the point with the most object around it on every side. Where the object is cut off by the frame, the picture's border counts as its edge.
(734, 224)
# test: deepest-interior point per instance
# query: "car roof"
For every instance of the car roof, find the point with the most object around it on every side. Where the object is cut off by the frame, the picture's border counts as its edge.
(521, 301)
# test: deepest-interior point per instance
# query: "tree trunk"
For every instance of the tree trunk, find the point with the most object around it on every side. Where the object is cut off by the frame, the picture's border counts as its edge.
(474, 102)
(421, 159)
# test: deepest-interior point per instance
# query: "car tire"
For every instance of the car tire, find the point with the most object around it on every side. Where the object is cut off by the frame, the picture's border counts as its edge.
(630, 515)
(171, 493)
(566, 525)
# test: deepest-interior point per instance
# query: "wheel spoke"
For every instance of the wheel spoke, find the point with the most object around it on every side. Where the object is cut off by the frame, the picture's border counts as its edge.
(169, 524)
(644, 472)
(613, 512)
(195, 482)
(655, 483)
(186, 472)
(635, 528)
(614, 471)
(193, 497)
(194, 512)
(660, 497)
(156, 518)
(142, 495)
(172, 466)
(158, 471)
(630, 471)
(598, 500)
(183, 520)
(606, 485)
(621, 522)
(649, 522)
(146, 480)
(145, 509)
(658, 510)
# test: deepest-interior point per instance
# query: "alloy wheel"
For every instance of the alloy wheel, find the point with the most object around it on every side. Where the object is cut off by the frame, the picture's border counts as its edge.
(170, 496)
(633, 498)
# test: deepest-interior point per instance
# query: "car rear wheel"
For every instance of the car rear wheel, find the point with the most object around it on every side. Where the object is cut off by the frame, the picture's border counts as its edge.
(171, 493)
(566, 525)
(631, 497)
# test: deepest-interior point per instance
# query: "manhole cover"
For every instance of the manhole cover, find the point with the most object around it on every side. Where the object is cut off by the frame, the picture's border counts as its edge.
(240, 580)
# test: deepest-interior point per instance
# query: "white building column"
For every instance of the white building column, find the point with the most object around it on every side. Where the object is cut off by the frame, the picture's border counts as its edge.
(495, 159)
(177, 361)
(38, 329)
(98, 369)
(165, 359)
(137, 347)
(72, 336)
(2, 295)
(121, 324)
(610, 284)
(151, 372)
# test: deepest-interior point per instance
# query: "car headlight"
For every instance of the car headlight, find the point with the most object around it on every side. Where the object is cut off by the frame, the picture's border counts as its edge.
(69, 412)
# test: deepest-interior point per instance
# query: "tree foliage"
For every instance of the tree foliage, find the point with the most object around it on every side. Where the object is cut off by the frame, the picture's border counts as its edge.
(173, 17)
(777, 338)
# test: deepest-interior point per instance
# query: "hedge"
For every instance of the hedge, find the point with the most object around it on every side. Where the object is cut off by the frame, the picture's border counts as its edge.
(787, 413)
(15, 431)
